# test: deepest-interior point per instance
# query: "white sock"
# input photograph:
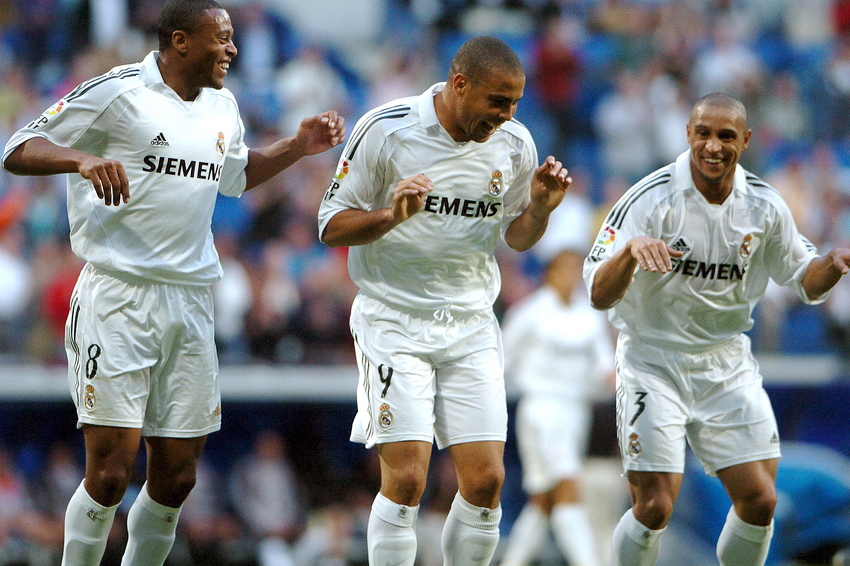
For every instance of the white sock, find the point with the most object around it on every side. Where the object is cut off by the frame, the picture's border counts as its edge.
(391, 536)
(633, 544)
(87, 525)
(471, 534)
(525, 537)
(573, 534)
(150, 531)
(742, 544)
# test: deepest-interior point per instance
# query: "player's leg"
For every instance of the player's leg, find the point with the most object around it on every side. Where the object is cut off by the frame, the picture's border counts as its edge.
(636, 538)
(391, 535)
(528, 531)
(745, 538)
(152, 519)
(571, 524)
(471, 532)
(110, 455)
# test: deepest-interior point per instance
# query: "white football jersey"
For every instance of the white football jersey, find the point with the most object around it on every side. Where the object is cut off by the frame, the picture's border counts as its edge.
(177, 156)
(731, 250)
(555, 349)
(442, 257)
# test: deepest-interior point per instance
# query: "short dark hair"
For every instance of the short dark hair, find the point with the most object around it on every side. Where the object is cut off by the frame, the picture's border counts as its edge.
(482, 55)
(722, 100)
(181, 15)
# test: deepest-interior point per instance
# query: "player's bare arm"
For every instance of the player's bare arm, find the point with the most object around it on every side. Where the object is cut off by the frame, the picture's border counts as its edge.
(38, 156)
(549, 184)
(615, 275)
(354, 227)
(824, 272)
(315, 134)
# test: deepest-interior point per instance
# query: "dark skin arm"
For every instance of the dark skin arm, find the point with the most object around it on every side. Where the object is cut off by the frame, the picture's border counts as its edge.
(613, 278)
(549, 184)
(38, 156)
(824, 272)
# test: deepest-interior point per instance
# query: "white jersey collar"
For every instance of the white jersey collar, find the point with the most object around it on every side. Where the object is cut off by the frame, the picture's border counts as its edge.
(427, 110)
(684, 180)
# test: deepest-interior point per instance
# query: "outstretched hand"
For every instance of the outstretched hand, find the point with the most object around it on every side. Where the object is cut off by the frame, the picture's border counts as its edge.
(321, 132)
(549, 184)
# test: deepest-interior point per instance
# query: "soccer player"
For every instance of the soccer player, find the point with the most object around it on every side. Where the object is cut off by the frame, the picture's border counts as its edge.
(146, 147)
(425, 188)
(558, 352)
(681, 261)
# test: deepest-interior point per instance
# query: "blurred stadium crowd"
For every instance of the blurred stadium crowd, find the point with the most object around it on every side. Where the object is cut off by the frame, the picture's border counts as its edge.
(610, 84)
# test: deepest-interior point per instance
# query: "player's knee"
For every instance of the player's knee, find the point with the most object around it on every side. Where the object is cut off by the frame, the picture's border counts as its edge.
(107, 485)
(758, 507)
(485, 485)
(653, 512)
(404, 487)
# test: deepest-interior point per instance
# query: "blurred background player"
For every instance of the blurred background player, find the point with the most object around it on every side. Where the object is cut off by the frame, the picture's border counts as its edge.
(558, 353)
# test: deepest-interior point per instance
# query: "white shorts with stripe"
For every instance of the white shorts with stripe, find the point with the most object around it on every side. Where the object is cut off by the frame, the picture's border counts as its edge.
(714, 399)
(142, 355)
(424, 378)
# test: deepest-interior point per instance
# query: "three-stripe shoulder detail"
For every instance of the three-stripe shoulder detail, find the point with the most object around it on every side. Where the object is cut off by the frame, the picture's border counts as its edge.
(390, 112)
(618, 213)
(86, 86)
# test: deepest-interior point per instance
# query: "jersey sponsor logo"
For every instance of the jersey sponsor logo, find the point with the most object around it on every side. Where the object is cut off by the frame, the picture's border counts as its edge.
(719, 271)
(181, 167)
(460, 207)
(494, 188)
(160, 141)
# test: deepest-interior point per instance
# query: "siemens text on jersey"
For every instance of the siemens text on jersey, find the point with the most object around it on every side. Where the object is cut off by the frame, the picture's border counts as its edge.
(181, 167)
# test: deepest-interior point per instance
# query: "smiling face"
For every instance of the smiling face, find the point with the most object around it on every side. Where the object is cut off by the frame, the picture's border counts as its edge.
(480, 106)
(209, 50)
(718, 135)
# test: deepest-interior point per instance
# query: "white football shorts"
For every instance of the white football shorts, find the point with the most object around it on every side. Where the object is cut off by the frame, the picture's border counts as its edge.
(427, 376)
(142, 355)
(552, 435)
(714, 399)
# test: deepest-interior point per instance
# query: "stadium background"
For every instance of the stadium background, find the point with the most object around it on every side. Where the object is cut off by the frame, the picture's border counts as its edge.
(609, 86)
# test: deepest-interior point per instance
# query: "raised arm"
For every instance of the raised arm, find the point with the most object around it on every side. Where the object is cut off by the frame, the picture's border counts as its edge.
(824, 272)
(549, 184)
(315, 134)
(38, 156)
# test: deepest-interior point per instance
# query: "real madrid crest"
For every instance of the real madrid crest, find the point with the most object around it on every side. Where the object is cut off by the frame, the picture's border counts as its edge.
(89, 399)
(219, 144)
(495, 186)
(385, 417)
(747, 246)
(634, 445)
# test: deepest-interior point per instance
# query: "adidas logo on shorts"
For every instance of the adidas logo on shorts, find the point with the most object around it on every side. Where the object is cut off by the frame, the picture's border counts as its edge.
(160, 141)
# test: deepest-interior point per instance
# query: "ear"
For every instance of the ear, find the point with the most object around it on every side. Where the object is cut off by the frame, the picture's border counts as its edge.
(180, 41)
(460, 84)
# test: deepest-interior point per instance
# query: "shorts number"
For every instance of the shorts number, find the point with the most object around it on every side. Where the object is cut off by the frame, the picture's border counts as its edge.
(91, 363)
(641, 406)
(386, 380)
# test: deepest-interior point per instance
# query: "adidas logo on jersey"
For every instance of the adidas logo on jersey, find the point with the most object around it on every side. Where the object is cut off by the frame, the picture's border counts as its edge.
(160, 141)
(678, 245)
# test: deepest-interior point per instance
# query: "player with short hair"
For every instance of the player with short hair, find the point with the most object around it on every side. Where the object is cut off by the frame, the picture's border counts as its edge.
(146, 148)
(425, 189)
(681, 262)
